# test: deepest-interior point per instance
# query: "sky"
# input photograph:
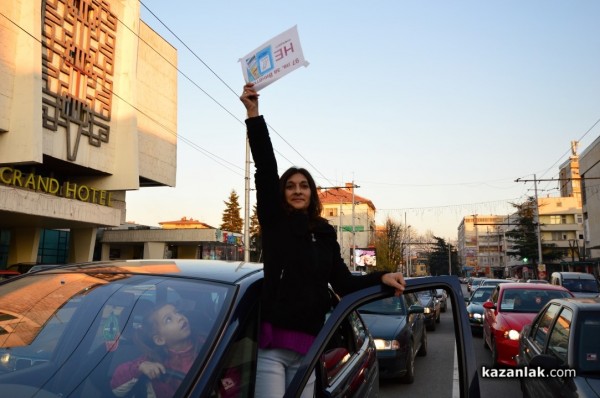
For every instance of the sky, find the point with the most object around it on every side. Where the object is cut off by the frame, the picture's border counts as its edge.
(432, 108)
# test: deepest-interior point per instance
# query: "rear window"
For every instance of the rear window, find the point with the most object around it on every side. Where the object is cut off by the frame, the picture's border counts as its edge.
(589, 344)
(528, 301)
(581, 285)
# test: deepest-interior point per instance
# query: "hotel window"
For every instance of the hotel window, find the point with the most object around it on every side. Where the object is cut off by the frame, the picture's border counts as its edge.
(331, 212)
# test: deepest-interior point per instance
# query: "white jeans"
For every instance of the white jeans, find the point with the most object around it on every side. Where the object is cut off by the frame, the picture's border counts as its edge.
(275, 370)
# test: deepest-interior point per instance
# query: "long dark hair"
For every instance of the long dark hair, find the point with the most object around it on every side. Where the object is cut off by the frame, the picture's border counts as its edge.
(314, 207)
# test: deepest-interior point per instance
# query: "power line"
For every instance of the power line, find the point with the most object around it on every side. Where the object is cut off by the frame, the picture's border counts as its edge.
(233, 91)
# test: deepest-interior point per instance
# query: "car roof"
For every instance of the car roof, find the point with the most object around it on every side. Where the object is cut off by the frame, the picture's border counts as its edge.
(484, 287)
(581, 303)
(576, 275)
(529, 286)
(216, 270)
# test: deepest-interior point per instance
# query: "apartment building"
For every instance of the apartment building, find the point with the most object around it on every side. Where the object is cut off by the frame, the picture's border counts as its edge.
(353, 217)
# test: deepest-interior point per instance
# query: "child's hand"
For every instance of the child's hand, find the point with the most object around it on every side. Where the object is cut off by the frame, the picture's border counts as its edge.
(152, 369)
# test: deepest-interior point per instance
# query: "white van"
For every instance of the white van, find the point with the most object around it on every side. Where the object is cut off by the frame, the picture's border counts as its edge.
(581, 284)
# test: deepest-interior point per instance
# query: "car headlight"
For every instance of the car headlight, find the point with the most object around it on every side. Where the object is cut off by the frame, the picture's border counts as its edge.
(476, 315)
(427, 310)
(511, 334)
(4, 358)
(381, 344)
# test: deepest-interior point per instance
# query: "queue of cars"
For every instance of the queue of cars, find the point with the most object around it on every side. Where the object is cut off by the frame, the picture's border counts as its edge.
(64, 330)
(544, 327)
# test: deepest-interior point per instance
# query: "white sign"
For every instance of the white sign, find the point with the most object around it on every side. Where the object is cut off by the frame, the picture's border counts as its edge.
(274, 59)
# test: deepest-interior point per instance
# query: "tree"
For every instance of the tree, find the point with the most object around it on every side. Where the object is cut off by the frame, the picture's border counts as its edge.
(439, 256)
(523, 237)
(389, 244)
(255, 237)
(232, 221)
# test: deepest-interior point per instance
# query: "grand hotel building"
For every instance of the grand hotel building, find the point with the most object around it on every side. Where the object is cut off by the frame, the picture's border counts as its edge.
(88, 111)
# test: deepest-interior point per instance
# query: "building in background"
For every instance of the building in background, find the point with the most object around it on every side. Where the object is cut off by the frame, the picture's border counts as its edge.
(185, 238)
(88, 111)
(482, 245)
(352, 216)
(589, 167)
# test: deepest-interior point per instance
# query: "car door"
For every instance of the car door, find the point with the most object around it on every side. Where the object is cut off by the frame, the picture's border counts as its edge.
(534, 342)
(348, 367)
(415, 321)
(468, 381)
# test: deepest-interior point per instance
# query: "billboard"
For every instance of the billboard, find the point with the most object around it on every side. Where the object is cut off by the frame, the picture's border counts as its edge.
(365, 257)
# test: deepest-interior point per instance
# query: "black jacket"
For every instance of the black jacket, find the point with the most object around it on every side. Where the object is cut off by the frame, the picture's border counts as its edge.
(299, 259)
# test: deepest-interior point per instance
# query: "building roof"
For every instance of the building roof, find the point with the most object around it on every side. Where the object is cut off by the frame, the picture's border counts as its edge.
(343, 195)
(185, 223)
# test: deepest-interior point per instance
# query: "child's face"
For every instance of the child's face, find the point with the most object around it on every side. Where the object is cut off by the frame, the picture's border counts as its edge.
(170, 326)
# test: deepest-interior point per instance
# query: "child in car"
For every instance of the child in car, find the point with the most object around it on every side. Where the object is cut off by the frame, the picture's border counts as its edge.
(170, 349)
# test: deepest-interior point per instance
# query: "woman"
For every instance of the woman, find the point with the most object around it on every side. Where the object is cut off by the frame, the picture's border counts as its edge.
(301, 257)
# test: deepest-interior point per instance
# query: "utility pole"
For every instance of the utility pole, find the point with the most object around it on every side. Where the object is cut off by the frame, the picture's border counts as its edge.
(247, 204)
(537, 216)
(449, 259)
(353, 232)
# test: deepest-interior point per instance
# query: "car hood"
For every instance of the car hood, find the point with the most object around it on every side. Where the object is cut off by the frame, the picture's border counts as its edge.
(384, 326)
(516, 321)
(475, 308)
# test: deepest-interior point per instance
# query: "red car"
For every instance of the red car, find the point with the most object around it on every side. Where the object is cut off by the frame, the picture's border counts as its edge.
(509, 308)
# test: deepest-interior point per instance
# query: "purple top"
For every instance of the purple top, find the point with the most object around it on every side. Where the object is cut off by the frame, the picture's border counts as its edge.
(274, 337)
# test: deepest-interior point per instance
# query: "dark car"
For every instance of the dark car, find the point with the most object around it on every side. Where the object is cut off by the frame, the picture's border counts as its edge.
(492, 282)
(510, 307)
(442, 296)
(398, 327)
(564, 336)
(473, 284)
(475, 306)
(63, 331)
(428, 299)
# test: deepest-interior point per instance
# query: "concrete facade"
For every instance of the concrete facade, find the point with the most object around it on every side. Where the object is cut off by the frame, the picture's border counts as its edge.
(88, 111)
(344, 209)
(589, 167)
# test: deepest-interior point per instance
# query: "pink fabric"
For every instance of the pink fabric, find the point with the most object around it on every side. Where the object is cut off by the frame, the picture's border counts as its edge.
(274, 337)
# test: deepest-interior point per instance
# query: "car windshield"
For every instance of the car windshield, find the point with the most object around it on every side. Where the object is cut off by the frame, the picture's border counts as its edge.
(387, 306)
(77, 328)
(589, 347)
(481, 295)
(581, 285)
(528, 300)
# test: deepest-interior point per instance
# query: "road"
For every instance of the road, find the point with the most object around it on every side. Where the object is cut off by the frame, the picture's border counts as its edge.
(434, 373)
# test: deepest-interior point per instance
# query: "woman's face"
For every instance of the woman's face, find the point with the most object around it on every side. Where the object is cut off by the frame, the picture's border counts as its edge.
(297, 192)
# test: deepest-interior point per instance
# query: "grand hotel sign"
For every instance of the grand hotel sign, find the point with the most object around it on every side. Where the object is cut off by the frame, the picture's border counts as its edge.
(78, 56)
(67, 189)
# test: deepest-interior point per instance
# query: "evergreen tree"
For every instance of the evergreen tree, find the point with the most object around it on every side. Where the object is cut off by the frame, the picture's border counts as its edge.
(232, 221)
(438, 258)
(255, 238)
(524, 238)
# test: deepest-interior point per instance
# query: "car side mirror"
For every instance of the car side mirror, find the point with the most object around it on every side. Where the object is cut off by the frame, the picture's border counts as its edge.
(416, 309)
(467, 299)
(488, 305)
